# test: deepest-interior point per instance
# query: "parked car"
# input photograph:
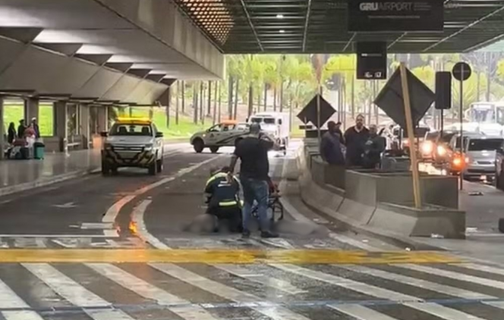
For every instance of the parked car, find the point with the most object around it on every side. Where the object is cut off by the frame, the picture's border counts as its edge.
(480, 156)
(456, 161)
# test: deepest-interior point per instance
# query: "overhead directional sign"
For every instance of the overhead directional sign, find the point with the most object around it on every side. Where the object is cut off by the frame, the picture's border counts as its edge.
(461, 71)
(390, 99)
(395, 16)
(309, 112)
(371, 60)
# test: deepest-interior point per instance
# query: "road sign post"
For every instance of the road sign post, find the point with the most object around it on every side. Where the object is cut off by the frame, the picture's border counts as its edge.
(411, 136)
(319, 80)
(461, 71)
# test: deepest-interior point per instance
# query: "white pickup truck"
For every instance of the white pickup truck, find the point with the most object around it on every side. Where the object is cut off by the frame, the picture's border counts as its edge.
(132, 142)
(224, 134)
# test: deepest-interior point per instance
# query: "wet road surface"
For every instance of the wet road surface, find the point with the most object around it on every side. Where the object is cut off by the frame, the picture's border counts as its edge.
(114, 249)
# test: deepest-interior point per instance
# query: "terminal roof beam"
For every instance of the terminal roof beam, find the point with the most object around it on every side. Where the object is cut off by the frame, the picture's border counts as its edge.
(123, 67)
(245, 10)
(320, 26)
(141, 73)
(68, 49)
(155, 77)
(25, 35)
(99, 59)
(168, 81)
(474, 23)
(307, 21)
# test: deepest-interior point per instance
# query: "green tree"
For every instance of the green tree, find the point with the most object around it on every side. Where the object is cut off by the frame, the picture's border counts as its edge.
(426, 74)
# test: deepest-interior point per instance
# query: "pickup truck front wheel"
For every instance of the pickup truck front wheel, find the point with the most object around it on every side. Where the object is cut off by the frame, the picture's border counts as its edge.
(153, 168)
(198, 145)
(105, 168)
(159, 164)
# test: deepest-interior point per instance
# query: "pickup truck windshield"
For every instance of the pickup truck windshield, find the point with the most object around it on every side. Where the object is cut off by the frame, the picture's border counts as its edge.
(265, 120)
(446, 137)
(484, 144)
(122, 129)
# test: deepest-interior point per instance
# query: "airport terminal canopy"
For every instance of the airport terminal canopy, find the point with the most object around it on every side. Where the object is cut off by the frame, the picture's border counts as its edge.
(331, 26)
(100, 51)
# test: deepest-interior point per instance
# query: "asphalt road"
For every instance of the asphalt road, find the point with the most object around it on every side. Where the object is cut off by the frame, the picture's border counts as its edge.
(145, 266)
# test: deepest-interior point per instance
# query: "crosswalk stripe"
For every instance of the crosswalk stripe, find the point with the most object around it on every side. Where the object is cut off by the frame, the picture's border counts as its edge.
(415, 303)
(276, 313)
(352, 242)
(9, 299)
(360, 312)
(453, 275)
(21, 315)
(420, 283)
(428, 285)
(75, 293)
(479, 267)
(150, 291)
(253, 276)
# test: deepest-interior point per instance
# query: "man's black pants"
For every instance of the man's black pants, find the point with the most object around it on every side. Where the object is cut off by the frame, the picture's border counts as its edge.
(232, 214)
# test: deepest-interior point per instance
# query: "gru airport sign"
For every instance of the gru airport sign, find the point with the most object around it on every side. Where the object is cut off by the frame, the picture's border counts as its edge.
(395, 16)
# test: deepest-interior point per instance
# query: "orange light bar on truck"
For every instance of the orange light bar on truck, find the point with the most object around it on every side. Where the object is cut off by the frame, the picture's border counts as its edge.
(133, 119)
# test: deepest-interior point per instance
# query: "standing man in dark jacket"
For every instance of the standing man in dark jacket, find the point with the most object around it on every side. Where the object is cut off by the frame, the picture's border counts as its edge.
(21, 129)
(339, 132)
(355, 138)
(330, 146)
(254, 169)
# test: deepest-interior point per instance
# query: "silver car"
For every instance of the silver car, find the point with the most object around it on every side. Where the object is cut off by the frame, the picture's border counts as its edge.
(480, 157)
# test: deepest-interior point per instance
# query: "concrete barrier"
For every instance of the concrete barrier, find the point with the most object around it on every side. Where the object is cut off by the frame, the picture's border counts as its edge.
(428, 221)
(381, 202)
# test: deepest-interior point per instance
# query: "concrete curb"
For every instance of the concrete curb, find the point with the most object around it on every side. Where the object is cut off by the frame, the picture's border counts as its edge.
(57, 178)
(46, 181)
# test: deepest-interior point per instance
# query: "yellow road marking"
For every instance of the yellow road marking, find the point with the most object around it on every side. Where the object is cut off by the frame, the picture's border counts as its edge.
(221, 256)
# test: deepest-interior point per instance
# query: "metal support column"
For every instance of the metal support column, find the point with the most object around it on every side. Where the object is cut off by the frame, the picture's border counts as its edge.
(2, 130)
(84, 125)
(31, 106)
(60, 124)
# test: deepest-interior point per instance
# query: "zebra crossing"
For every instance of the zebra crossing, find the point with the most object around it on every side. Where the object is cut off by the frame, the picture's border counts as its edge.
(131, 291)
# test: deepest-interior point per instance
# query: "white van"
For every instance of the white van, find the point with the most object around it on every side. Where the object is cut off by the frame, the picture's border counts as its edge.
(275, 124)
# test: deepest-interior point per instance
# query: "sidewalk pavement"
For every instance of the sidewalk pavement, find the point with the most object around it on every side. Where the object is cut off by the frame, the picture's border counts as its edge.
(22, 175)
(484, 206)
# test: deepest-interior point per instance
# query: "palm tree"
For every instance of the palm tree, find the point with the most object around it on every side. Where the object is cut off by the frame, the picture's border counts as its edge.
(234, 72)
(271, 79)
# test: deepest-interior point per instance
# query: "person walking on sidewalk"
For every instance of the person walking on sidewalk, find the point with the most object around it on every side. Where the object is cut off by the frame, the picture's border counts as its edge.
(254, 168)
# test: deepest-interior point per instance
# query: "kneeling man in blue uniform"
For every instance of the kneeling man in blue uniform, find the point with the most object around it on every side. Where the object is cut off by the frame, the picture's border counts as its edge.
(223, 199)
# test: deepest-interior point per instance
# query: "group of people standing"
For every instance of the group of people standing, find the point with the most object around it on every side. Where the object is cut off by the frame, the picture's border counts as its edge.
(357, 147)
(23, 132)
